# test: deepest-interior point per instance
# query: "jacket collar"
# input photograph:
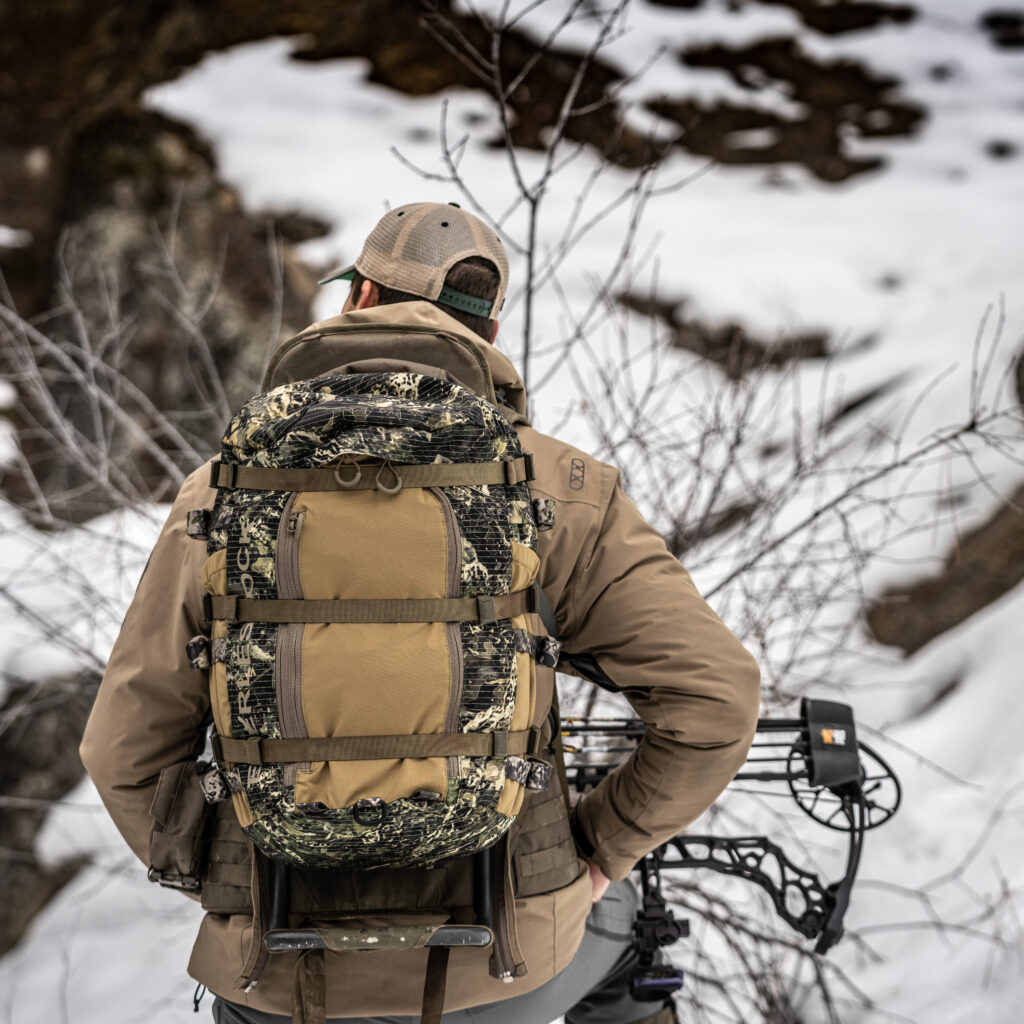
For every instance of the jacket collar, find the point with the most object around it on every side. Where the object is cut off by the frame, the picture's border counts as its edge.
(507, 382)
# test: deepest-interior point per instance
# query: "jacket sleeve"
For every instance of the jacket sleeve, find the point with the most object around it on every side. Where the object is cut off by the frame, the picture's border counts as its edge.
(151, 704)
(632, 605)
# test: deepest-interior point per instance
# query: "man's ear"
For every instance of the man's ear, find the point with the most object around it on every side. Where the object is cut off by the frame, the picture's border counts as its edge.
(369, 296)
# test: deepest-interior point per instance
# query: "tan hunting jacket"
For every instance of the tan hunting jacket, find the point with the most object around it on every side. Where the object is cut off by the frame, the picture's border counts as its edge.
(618, 594)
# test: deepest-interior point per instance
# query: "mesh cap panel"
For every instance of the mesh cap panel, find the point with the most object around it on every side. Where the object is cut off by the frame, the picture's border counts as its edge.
(413, 247)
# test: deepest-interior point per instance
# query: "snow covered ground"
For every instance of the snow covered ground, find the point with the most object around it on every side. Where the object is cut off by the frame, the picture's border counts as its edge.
(943, 219)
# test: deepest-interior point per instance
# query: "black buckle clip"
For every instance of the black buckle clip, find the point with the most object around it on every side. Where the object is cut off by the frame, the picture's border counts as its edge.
(184, 883)
(370, 811)
(655, 984)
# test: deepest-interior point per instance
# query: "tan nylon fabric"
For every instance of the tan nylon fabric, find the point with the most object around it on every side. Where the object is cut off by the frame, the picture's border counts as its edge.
(350, 343)
(616, 592)
(395, 677)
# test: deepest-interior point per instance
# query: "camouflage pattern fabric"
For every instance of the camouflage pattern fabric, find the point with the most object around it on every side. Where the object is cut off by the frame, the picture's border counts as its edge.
(197, 525)
(532, 774)
(202, 652)
(407, 419)
(218, 785)
(540, 775)
(544, 514)
(544, 650)
(197, 650)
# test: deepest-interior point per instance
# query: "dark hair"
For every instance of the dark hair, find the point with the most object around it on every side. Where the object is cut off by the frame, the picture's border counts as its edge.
(475, 276)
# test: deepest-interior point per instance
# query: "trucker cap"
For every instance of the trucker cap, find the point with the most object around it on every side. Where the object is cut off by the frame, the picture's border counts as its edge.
(413, 247)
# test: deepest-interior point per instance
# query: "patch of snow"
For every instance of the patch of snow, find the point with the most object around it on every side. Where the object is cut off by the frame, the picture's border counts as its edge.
(781, 254)
(63, 594)
(14, 238)
(113, 946)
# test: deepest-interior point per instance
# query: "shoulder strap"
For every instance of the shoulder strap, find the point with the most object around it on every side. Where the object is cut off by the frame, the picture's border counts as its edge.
(547, 613)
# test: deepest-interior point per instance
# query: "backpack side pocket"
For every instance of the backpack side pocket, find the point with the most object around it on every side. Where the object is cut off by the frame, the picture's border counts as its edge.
(181, 816)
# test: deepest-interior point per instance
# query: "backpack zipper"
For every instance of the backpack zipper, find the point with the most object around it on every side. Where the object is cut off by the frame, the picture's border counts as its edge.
(289, 647)
(454, 635)
(506, 965)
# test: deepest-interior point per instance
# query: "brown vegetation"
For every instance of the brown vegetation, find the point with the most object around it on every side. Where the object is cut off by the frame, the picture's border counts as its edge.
(987, 563)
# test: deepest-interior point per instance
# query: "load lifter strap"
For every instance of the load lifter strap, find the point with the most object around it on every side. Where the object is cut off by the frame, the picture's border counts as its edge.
(260, 750)
(363, 476)
(442, 609)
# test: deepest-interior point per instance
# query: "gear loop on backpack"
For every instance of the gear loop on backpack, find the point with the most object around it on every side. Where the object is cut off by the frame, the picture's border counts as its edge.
(396, 487)
(347, 460)
(371, 812)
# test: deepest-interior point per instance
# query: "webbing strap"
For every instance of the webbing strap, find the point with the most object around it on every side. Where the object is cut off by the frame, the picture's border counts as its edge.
(368, 476)
(434, 985)
(260, 750)
(442, 609)
(309, 988)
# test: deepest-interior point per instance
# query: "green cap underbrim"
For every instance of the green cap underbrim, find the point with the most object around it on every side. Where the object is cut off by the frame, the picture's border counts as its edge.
(346, 274)
(448, 297)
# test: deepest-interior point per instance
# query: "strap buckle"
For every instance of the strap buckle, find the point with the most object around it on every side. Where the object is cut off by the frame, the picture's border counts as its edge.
(229, 604)
(533, 743)
(485, 610)
(518, 471)
(223, 474)
(184, 883)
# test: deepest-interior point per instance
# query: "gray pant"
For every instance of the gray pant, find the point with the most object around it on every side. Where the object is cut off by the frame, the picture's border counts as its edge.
(592, 989)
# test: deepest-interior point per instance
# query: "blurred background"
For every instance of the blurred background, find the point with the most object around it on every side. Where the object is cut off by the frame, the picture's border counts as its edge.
(766, 258)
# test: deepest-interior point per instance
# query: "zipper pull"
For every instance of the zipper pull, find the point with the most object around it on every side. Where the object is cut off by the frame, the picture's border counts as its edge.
(295, 523)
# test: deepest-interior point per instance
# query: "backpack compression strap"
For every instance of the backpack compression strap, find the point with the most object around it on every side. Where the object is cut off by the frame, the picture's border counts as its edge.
(484, 609)
(261, 750)
(350, 476)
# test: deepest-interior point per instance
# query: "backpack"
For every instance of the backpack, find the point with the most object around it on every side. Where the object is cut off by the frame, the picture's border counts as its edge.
(370, 579)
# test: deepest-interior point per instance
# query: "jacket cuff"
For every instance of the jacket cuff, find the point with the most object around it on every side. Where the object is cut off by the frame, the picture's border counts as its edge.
(613, 866)
(586, 847)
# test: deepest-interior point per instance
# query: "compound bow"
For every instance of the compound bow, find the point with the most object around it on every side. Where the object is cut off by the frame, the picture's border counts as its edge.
(836, 779)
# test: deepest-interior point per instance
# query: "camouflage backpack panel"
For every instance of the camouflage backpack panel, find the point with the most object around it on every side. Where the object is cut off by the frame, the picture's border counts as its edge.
(367, 679)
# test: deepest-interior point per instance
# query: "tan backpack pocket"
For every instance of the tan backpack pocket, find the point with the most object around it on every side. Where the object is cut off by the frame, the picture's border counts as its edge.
(375, 679)
(391, 679)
